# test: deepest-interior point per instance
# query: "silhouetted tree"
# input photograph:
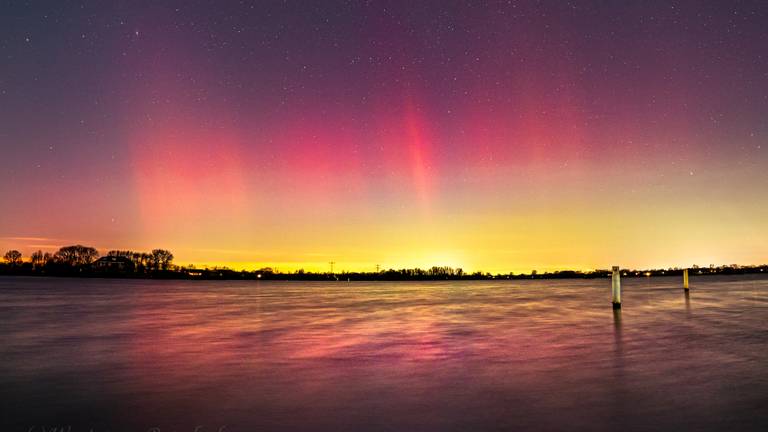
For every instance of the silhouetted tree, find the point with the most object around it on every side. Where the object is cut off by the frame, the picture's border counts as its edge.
(144, 261)
(36, 258)
(12, 257)
(76, 255)
(440, 271)
(161, 259)
(137, 264)
(39, 259)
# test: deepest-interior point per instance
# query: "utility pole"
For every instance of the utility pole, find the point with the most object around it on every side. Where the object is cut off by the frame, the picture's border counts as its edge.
(332, 263)
(378, 267)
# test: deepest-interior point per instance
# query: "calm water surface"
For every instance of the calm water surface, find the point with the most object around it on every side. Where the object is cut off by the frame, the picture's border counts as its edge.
(435, 356)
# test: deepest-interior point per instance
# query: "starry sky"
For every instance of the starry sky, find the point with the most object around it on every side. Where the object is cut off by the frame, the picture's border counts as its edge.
(493, 136)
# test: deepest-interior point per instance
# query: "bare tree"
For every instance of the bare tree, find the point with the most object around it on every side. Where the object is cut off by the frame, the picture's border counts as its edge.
(38, 258)
(12, 257)
(145, 261)
(161, 259)
(76, 255)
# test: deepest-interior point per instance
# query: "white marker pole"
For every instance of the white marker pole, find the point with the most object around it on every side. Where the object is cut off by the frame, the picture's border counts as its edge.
(616, 288)
(685, 279)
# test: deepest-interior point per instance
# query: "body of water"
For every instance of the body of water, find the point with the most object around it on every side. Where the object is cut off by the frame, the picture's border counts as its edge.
(139, 355)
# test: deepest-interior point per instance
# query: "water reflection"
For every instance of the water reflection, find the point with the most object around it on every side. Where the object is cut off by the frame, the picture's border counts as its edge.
(687, 302)
(129, 355)
(617, 326)
(618, 344)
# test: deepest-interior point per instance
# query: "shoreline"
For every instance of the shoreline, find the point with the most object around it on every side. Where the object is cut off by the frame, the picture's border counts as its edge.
(389, 276)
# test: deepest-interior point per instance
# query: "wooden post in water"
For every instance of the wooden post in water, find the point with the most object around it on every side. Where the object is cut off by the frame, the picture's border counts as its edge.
(685, 279)
(616, 288)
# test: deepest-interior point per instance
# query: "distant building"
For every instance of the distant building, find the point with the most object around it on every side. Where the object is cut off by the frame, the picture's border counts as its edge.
(113, 264)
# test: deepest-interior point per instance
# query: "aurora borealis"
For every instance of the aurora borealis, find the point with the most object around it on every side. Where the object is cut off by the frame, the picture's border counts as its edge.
(493, 136)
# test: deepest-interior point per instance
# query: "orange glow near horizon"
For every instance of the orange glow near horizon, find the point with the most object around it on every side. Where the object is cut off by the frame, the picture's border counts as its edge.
(582, 232)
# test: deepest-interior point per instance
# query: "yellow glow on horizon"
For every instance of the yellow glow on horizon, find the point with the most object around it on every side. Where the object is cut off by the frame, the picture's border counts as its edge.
(560, 220)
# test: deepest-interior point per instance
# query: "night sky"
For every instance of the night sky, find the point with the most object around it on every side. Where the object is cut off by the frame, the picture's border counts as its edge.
(494, 136)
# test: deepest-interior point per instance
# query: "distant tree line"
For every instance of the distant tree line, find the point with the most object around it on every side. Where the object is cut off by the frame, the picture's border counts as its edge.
(77, 255)
(84, 259)
(158, 259)
(448, 273)
(79, 260)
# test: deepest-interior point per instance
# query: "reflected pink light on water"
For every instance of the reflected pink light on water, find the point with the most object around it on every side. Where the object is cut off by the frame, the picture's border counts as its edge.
(339, 356)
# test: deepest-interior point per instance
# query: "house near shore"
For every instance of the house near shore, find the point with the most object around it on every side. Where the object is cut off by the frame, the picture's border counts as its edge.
(113, 264)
